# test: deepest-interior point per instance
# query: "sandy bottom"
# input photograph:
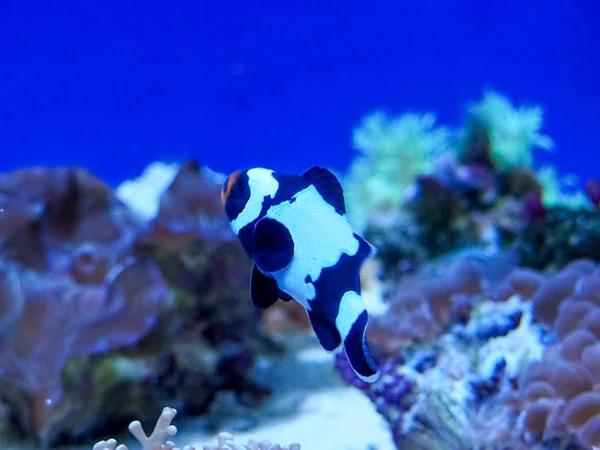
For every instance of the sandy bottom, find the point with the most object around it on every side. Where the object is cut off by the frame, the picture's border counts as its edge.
(310, 405)
(327, 414)
(340, 419)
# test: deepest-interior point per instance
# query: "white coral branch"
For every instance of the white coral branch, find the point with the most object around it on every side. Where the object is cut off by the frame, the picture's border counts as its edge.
(164, 430)
(225, 442)
(156, 441)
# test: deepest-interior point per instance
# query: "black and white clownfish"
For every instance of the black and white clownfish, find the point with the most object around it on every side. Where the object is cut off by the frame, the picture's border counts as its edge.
(295, 230)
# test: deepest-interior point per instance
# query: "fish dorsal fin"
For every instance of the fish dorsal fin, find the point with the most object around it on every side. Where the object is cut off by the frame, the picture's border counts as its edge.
(328, 186)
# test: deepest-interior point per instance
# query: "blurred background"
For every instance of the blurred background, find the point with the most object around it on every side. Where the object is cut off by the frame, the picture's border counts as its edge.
(114, 85)
(452, 127)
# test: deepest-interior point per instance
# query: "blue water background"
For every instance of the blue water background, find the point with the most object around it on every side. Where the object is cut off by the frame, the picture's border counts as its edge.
(113, 85)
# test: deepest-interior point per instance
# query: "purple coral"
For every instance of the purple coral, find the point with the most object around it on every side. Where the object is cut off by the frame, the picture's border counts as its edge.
(592, 189)
(533, 207)
(393, 394)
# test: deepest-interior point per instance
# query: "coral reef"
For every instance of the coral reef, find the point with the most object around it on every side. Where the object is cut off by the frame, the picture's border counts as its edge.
(432, 354)
(471, 361)
(106, 313)
(558, 393)
(592, 190)
(189, 208)
(420, 309)
(487, 330)
(479, 190)
(394, 152)
(561, 191)
(490, 331)
(451, 349)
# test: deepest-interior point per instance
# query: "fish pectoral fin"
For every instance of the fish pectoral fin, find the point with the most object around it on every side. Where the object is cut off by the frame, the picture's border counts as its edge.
(326, 331)
(328, 186)
(273, 245)
(263, 289)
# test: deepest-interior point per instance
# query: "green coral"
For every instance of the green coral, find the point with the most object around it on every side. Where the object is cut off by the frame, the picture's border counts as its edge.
(513, 132)
(565, 235)
(392, 153)
(558, 190)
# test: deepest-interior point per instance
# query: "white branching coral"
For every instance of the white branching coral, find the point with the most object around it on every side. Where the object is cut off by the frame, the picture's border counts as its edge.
(163, 431)
(156, 441)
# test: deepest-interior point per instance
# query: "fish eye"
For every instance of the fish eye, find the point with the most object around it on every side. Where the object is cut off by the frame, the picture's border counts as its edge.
(238, 187)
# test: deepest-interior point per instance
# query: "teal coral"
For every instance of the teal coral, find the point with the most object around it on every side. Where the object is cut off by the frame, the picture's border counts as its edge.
(393, 151)
(513, 132)
(561, 191)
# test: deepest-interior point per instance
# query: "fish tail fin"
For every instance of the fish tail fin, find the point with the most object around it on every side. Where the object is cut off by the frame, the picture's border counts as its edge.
(353, 328)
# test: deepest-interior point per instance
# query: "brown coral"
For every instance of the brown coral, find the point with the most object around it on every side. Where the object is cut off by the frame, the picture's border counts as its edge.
(189, 209)
(82, 275)
(70, 282)
(75, 218)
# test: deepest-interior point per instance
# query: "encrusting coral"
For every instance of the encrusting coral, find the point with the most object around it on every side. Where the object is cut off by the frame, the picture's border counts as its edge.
(164, 430)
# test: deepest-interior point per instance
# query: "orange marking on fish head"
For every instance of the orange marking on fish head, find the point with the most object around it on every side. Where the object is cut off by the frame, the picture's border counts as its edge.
(230, 183)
